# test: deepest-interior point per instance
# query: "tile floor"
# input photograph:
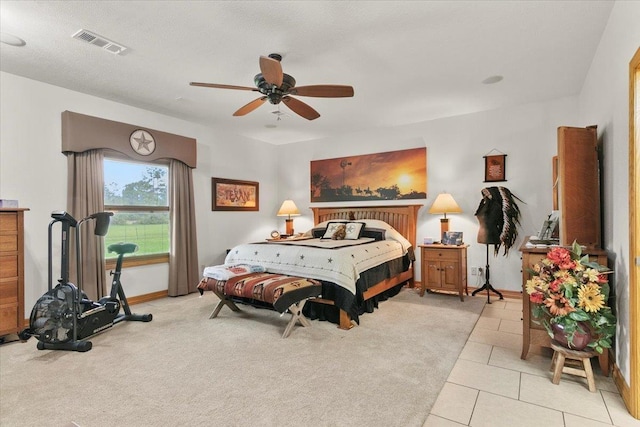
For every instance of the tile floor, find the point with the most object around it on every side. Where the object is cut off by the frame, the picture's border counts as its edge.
(491, 386)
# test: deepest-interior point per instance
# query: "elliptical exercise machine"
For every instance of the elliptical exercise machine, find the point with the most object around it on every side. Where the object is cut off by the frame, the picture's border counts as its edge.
(64, 316)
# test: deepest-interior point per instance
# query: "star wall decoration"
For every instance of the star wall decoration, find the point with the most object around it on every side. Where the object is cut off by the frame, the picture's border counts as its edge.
(142, 142)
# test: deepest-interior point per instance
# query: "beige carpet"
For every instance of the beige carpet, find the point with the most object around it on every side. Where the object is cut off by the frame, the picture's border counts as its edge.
(183, 369)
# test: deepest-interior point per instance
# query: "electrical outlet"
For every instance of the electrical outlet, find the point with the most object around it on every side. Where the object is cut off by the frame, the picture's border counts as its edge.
(477, 271)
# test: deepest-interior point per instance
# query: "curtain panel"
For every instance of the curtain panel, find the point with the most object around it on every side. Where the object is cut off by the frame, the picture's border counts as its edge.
(85, 196)
(183, 256)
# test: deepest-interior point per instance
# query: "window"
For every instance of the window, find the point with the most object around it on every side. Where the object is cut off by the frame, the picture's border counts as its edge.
(137, 194)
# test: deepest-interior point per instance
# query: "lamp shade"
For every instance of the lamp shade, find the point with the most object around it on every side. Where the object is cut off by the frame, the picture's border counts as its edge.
(444, 204)
(288, 209)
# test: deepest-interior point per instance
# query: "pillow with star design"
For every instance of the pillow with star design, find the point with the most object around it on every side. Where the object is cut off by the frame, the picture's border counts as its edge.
(353, 229)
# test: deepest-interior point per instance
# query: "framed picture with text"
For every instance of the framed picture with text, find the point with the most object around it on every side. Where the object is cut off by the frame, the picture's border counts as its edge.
(494, 168)
(234, 195)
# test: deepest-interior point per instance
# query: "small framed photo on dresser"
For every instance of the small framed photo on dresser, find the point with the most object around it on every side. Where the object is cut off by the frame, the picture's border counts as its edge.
(452, 238)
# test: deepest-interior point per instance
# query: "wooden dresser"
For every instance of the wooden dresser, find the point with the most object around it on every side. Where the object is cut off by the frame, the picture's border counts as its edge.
(11, 270)
(532, 333)
(444, 267)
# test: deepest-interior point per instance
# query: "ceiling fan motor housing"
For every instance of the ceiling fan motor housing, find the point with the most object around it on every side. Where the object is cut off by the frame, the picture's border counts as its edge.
(273, 93)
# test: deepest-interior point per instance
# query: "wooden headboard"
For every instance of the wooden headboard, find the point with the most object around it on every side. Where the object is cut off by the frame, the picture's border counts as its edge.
(401, 217)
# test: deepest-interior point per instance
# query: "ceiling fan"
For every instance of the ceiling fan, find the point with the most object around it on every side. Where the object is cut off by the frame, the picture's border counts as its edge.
(276, 87)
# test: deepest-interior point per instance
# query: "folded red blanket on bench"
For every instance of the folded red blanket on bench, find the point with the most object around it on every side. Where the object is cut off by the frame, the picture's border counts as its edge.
(276, 289)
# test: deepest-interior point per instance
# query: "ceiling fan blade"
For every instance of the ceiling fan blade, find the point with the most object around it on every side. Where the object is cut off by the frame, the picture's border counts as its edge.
(271, 70)
(323, 91)
(301, 108)
(250, 106)
(217, 86)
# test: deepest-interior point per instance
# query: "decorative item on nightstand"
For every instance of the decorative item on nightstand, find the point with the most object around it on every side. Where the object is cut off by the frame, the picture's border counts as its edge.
(452, 238)
(289, 209)
(444, 204)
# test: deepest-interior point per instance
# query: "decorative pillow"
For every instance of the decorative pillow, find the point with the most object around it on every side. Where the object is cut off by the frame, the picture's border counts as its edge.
(317, 233)
(390, 232)
(331, 228)
(354, 230)
(375, 233)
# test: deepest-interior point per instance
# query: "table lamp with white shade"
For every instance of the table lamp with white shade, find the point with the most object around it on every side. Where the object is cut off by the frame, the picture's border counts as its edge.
(444, 204)
(288, 209)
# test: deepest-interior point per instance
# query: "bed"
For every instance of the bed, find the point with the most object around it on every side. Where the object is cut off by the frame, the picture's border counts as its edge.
(388, 239)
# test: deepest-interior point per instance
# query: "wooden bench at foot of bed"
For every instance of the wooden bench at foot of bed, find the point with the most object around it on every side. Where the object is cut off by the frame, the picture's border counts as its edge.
(345, 320)
(277, 291)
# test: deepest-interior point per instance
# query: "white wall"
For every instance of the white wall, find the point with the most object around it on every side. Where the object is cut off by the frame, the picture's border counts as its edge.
(34, 171)
(604, 100)
(455, 164)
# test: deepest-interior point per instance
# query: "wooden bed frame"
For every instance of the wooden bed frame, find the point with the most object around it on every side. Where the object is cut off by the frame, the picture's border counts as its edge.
(401, 217)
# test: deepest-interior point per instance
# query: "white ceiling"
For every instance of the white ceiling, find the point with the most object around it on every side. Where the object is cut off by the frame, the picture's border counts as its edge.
(408, 61)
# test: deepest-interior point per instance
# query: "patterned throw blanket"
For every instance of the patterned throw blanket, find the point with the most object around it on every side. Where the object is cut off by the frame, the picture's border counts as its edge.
(226, 272)
(278, 290)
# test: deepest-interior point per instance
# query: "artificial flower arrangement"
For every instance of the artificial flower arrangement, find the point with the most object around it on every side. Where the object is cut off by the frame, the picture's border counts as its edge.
(570, 293)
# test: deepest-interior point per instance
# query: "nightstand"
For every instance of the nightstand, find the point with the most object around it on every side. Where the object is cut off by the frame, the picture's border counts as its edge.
(444, 268)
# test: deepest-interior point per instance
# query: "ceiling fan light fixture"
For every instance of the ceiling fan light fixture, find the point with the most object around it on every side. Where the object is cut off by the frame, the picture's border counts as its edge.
(279, 114)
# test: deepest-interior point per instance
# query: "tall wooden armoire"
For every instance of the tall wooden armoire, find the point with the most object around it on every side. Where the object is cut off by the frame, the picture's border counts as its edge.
(579, 186)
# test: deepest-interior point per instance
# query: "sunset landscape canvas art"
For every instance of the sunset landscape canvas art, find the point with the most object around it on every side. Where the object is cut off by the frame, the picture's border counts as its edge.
(392, 175)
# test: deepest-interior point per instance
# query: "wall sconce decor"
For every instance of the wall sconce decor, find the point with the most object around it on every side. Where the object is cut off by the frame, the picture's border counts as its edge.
(444, 204)
(288, 209)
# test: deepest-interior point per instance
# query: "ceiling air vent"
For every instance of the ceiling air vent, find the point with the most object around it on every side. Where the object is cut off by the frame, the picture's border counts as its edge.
(94, 39)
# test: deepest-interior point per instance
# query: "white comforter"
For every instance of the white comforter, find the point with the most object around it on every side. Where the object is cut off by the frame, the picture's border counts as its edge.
(341, 266)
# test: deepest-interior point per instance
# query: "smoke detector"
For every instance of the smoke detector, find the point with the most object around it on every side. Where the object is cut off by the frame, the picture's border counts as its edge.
(96, 40)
